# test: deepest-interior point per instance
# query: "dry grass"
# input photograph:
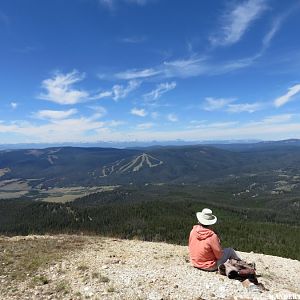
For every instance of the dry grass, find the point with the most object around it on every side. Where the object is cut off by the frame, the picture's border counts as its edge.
(63, 195)
(14, 186)
(22, 258)
(17, 188)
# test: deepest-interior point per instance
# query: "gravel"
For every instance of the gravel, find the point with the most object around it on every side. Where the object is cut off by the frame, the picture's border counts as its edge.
(109, 268)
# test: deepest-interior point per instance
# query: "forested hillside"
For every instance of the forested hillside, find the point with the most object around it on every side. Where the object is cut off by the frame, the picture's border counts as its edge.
(67, 166)
(159, 214)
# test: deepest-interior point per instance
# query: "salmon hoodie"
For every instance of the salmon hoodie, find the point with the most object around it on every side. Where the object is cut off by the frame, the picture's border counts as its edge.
(204, 248)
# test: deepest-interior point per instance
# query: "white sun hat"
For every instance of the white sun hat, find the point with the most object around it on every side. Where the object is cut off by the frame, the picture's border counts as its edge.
(205, 217)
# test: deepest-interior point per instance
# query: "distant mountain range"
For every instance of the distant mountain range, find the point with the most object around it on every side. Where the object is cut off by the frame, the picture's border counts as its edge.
(146, 144)
(122, 145)
(74, 166)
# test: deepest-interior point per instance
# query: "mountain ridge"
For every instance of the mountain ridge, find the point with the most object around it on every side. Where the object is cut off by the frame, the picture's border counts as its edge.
(71, 166)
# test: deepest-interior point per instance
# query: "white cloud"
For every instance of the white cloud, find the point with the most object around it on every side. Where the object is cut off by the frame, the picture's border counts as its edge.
(138, 112)
(59, 89)
(120, 91)
(204, 125)
(144, 126)
(172, 118)
(237, 21)
(135, 74)
(197, 122)
(57, 130)
(234, 65)
(182, 68)
(112, 4)
(133, 39)
(244, 107)
(277, 22)
(274, 28)
(89, 130)
(13, 105)
(222, 124)
(189, 67)
(55, 114)
(192, 66)
(114, 123)
(100, 111)
(292, 91)
(212, 104)
(160, 90)
(277, 119)
(103, 94)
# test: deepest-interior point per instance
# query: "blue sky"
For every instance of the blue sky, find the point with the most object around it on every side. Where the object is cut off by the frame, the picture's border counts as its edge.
(128, 70)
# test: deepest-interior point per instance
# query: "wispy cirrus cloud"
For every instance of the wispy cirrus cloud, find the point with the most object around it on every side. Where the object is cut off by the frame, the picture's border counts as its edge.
(205, 125)
(60, 88)
(100, 111)
(271, 33)
(192, 66)
(212, 104)
(277, 23)
(14, 105)
(132, 39)
(138, 112)
(283, 118)
(160, 89)
(189, 67)
(120, 91)
(287, 97)
(144, 126)
(172, 117)
(137, 74)
(237, 20)
(55, 114)
(244, 107)
(226, 104)
(240, 19)
(113, 4)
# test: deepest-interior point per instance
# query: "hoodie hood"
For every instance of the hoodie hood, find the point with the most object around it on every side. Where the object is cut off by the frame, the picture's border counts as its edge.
(202, 233)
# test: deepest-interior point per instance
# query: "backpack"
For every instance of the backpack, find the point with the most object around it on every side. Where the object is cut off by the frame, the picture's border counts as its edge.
(238, 269)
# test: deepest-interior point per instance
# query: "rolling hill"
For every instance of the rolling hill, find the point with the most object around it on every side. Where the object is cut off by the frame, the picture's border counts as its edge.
(72, 166)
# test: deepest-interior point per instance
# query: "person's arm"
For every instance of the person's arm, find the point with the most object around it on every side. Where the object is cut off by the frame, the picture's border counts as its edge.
(216, 246)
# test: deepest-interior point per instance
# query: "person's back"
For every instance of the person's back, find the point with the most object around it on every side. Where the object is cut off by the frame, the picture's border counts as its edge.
(204, 248)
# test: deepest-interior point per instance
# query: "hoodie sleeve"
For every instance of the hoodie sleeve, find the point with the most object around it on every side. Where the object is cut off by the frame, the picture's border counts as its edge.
(216, 246)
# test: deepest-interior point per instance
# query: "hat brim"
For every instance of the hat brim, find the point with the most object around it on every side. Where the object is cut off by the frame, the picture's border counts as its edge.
(205, 221)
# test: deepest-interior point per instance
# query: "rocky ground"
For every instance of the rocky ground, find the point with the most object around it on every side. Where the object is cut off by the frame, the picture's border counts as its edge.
(81, 267)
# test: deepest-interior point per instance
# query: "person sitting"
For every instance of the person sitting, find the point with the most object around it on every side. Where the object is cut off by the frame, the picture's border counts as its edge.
(205, 249)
